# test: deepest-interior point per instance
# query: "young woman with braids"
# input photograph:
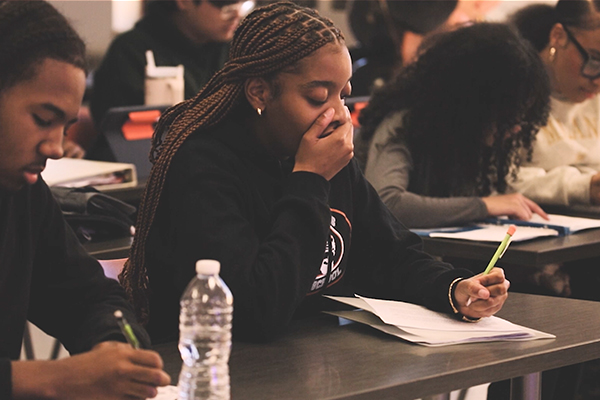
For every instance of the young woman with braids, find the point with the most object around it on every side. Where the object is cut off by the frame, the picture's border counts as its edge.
(256, 171)
(46, 277)
(445, 136)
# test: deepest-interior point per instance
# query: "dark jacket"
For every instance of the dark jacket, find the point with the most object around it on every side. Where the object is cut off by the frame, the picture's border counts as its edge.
(283, 239)
(46, 277)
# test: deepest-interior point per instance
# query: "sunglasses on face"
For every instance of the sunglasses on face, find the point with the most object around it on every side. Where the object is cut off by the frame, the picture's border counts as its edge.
(591, 66)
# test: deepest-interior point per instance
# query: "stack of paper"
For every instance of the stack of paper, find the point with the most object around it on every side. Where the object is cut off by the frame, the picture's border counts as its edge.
(420, 325)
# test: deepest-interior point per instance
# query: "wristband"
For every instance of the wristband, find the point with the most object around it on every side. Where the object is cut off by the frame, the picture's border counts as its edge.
(451, 290)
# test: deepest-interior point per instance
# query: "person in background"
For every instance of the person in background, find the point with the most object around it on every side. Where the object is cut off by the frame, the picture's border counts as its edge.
(443, 138)
(257, 172)
(193, 33)
(389, 33)
(46, 277)
(565, 167)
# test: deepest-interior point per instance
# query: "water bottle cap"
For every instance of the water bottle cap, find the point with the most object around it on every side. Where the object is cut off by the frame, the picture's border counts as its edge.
(208, 267)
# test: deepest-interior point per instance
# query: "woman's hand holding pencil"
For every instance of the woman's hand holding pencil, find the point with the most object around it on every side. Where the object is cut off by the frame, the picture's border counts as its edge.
(482, 295)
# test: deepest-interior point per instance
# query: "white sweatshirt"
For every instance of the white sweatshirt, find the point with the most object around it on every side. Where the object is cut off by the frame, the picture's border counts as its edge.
(566, 155)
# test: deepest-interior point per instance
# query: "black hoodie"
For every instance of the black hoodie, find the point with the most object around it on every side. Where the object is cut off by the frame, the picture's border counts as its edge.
(283, 238)
(46, 277)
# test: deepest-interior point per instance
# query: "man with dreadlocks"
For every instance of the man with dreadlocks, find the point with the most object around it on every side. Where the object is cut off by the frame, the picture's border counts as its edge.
(46, 277)
(256, 171)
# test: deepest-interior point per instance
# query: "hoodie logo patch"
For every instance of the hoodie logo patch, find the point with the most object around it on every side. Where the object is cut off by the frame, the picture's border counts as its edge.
(332, 268)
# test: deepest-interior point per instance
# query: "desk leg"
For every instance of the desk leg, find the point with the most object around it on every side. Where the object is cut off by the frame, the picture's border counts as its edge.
(527, 387)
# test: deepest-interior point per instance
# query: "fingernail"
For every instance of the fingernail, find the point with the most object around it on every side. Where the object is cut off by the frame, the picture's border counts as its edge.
(329, 113)
(468, 302)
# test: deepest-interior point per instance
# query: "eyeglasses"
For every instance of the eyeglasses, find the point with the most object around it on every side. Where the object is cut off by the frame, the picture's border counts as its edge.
(232, 8)
(591, 66)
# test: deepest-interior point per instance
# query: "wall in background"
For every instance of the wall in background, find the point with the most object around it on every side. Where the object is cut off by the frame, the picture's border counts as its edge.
(92, 19)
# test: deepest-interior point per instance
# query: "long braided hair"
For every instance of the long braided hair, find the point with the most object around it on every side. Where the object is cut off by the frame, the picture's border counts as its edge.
(30, 32)
(269, 40)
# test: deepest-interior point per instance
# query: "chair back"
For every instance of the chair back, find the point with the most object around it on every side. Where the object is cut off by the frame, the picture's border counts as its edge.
(128, 133)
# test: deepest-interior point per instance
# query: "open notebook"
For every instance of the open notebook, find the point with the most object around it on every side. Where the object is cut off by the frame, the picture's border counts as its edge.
(420, 325)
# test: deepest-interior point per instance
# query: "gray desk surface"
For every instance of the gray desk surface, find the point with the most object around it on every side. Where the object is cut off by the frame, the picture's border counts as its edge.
(318, 359)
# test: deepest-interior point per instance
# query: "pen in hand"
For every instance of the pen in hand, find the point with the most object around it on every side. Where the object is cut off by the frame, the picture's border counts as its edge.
(498, 254)
(126, 329)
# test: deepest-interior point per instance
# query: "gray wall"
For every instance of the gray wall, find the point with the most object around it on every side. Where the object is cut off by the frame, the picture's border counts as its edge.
(92, 19)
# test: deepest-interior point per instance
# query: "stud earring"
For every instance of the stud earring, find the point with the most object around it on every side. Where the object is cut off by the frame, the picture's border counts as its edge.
(259, 111)
(552, 54)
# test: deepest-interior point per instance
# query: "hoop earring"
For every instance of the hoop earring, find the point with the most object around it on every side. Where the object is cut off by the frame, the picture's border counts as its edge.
(259, 111)
(552, 55)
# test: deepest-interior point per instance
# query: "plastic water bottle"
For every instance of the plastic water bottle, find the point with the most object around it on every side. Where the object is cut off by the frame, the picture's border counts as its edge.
(205, 335)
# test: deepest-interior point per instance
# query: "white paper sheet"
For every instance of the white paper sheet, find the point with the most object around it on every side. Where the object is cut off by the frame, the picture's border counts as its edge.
(167, 393)
(423, 326)
(574, 224)
(436, 338)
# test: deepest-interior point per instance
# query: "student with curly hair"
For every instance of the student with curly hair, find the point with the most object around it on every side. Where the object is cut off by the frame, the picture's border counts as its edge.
(565, 167)
(46, 277)
(256, 171)
(445, 137)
